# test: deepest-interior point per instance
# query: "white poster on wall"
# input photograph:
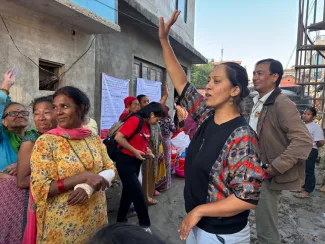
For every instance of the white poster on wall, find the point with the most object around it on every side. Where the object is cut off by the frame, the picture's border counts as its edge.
(152, 89)
(114, 91)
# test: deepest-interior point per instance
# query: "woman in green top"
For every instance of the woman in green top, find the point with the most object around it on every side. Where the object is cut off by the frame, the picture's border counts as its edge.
(13, 199)
(12, 129)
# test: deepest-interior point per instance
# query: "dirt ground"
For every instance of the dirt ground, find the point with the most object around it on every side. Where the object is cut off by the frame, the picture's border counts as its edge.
(300, 221)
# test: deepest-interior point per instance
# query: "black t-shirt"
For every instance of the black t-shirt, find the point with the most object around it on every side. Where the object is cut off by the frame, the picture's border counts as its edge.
(202, 153)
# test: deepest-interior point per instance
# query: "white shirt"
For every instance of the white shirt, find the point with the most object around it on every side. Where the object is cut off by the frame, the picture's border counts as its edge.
(316, 133)
(257, 108)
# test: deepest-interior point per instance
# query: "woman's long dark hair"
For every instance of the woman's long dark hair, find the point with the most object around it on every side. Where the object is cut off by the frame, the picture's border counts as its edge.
(156, 108)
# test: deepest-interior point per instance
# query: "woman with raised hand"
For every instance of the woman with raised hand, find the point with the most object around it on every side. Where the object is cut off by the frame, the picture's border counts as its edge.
(12, 131)
(66, 180)
(222, 166)
(13, 127)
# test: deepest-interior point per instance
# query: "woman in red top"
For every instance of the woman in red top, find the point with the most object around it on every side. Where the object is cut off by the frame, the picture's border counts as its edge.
(129, 160)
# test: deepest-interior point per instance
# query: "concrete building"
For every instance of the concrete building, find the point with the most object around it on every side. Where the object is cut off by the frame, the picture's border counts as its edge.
(74, 41)
(51, 34)
(135, 52)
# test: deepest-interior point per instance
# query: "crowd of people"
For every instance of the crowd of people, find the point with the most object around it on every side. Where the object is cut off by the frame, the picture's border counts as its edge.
(53, 179)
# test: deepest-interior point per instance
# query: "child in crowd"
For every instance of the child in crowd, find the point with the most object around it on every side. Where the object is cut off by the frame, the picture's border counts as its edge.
(318, 141)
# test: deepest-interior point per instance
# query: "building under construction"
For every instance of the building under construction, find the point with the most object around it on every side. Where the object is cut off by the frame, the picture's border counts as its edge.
(310, 54)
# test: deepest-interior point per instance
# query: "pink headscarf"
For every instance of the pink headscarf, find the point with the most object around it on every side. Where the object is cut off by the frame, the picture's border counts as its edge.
(72, 134)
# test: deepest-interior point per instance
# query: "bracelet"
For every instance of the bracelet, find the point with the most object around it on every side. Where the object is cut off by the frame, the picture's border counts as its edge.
(60, 186)
(5, 90)
(87, 188)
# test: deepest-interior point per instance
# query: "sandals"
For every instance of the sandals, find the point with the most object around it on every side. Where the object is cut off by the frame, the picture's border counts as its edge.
(131, 214)
(152, 202)
(298, 191)
(157, 193)
(301, 195)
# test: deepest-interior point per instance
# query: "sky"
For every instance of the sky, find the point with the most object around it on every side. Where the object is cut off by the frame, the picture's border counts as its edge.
(248, 30)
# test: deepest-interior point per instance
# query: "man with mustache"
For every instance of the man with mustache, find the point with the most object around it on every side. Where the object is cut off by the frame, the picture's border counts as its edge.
(285, 145)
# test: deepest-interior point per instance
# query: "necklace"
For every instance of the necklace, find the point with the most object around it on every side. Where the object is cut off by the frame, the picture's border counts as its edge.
(74, 151)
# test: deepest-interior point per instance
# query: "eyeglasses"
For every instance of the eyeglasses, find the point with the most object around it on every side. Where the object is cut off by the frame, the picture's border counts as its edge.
(16, 114)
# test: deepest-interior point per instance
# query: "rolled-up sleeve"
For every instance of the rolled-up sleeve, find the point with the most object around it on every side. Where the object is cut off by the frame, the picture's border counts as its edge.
(194, 103)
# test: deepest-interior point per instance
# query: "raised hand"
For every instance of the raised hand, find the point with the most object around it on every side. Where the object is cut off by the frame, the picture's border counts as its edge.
(167, 90)
(164, 28)
(8, 79)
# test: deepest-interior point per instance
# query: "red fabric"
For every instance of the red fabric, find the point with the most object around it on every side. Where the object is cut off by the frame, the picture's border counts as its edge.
(124, 115)
(60, 186)
(176, 133)
(129, 100)
(31, 227)
(137, 141)
(72, 134)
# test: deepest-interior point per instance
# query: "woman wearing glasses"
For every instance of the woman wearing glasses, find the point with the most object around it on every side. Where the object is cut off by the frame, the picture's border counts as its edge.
(12, 128)
(13, 199)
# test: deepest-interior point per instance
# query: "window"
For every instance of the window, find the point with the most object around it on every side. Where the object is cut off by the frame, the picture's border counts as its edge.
(142, 69)
(49, 75)
(182, 6)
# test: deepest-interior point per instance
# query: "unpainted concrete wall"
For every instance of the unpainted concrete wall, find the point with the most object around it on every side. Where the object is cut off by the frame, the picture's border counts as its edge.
(163, 8)
(115, 55)
(41, 37)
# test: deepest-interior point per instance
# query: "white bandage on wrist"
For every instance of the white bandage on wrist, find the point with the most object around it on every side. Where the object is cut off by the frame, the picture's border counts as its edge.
(108, 174)
(88, 189)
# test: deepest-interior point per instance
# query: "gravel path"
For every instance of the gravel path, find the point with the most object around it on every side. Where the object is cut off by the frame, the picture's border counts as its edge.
(300, 221)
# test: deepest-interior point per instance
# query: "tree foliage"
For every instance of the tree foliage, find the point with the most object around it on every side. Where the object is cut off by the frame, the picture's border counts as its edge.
(200, 74)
